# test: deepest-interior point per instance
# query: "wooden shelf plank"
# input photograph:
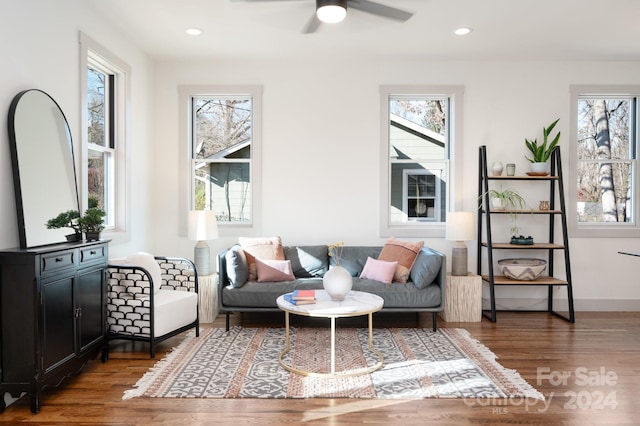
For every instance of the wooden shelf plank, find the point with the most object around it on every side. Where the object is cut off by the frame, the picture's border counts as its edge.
(535, 246)
(544, 280)
(523, 177)
(524, 212)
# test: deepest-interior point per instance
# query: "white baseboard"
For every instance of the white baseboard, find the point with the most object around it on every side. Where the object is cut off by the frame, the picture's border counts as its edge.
(579, 305)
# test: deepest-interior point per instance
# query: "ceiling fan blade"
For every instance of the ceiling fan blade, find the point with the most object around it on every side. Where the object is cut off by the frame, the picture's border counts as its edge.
(380, 10)
(312, 25)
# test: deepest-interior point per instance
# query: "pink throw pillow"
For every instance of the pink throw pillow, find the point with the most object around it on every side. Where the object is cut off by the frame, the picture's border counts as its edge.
(379, 270)
(274, 270)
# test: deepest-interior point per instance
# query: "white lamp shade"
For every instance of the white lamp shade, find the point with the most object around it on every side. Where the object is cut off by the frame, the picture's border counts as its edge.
(460, 226)
(202, 225)
(331, 11)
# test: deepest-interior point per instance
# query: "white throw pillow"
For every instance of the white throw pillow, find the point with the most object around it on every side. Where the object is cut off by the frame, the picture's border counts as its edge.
(146, 261)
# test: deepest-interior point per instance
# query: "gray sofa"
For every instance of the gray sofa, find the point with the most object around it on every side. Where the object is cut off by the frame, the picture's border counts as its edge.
(424, 291)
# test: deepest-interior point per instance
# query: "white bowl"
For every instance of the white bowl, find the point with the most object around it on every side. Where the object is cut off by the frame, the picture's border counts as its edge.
(524, 269)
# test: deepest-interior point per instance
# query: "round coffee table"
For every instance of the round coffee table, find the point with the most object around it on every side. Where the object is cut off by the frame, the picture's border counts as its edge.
(356, 303)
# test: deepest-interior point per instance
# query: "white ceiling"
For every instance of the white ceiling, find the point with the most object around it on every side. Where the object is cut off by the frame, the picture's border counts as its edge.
(502, 29)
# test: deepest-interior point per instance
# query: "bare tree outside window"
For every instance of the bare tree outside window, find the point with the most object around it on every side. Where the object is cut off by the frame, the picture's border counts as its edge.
(606, 156)
(221, 154)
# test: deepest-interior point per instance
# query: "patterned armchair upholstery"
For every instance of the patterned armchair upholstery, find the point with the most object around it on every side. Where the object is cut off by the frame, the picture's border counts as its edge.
(138, 308)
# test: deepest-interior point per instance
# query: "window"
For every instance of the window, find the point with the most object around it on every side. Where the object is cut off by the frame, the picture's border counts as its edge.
(104, 86)
(100, 138)
(222, 133)
(417, 152)
(604, 146)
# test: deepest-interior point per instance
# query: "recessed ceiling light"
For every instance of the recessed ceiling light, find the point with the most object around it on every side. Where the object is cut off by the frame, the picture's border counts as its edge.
(462, 31)
(194, 31)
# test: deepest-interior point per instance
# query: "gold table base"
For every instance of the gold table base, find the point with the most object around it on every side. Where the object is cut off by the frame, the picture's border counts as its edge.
(333, 353)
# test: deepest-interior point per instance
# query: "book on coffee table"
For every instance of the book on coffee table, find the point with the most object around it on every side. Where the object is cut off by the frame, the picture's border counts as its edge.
(289, 298)
(303, 295)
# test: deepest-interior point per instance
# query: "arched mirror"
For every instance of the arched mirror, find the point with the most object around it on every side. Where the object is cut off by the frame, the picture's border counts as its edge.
(44, 173)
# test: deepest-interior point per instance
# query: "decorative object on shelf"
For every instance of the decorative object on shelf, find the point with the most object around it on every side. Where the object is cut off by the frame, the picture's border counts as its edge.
(337, 281)
(460, 228)
(506, 199)
(496, 168)
(202, 227)
(540, 153)
(544, 205)
(92, 223)
(522, 240)
(523, 269)
(68, 219)
(511, 169)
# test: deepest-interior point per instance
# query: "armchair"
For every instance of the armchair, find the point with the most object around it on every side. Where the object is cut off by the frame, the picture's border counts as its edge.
(151, 299)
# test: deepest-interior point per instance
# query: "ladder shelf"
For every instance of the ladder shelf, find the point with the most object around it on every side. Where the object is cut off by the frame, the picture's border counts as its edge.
(556, 212)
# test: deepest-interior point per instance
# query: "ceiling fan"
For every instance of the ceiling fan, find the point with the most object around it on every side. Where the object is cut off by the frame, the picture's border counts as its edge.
(333, 11)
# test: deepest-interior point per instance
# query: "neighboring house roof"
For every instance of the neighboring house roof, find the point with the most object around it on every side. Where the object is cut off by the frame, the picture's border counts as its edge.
(232, 149)
(411, 140)
(417, 130)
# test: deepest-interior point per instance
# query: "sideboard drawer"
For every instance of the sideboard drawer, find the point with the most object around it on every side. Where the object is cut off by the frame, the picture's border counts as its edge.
(92, 254)
(52, 262)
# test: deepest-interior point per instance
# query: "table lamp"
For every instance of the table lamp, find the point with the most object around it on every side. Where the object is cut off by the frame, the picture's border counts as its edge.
(459, 228)
(202, 227)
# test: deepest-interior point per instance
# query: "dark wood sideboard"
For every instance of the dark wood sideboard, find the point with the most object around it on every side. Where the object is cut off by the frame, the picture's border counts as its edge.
(53, 314)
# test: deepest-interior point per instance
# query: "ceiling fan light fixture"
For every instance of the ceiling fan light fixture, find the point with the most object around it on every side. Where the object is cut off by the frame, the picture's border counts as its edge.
(331, 11)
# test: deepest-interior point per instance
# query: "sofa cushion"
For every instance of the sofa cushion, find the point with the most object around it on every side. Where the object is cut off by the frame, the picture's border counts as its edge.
(353, 258)
(273, 270)
(264, 248)
(308, 261)
(237, 268)
(403, 252)
(379, 270)
(426, 268)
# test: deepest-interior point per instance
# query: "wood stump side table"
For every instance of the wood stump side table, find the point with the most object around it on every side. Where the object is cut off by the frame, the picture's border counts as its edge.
(208, 293)
(463, 298)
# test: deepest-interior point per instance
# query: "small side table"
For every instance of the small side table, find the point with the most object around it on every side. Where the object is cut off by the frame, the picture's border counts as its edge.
(463, 298)
(208, 297)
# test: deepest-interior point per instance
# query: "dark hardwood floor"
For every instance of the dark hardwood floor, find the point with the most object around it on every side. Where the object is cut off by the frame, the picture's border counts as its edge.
(589, 373)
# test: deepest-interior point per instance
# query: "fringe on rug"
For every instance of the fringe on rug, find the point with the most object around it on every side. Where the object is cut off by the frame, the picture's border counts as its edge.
(149, 377)
(490, 358)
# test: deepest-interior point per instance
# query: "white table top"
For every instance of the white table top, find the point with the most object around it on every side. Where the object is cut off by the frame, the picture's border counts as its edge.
(354, 304)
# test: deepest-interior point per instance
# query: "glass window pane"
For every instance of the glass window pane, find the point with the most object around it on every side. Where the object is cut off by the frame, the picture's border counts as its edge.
(222, 128)
(225, 188)
(96, 103)
(606, 150)
(97, 179)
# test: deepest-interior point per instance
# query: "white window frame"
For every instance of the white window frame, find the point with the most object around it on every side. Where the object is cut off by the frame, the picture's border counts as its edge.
(94, 54)
(613, 229)
(186, 95)
(424, 229)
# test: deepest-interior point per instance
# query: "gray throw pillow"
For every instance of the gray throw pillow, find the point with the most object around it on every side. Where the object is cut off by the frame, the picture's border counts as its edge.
(237, 267)
(353, 258)
(308, 261)
(426, 268)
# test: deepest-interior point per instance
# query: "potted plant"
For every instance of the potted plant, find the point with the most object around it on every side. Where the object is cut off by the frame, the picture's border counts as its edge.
(540, 153)
(92, 223)
(507, 199)
(68, 219)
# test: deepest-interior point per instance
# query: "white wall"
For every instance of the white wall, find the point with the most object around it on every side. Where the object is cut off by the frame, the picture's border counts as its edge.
(40, 49)
(320, 172)
(321, 137)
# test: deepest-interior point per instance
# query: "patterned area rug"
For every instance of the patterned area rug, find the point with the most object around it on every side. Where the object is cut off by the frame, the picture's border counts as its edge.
(418, 363)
